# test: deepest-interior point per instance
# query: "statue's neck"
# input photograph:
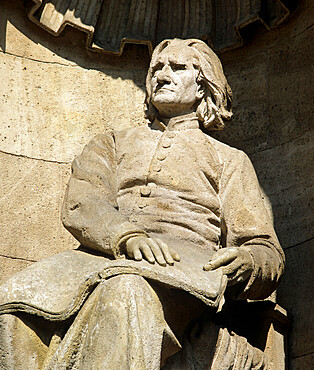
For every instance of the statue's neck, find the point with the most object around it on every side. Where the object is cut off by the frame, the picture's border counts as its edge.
(186, 121)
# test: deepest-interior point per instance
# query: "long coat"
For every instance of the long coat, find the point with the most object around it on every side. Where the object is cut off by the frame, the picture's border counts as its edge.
(176, 183)
(179, 184)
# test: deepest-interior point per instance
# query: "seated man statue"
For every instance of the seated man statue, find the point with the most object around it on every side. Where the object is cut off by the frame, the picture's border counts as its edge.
(170, 222)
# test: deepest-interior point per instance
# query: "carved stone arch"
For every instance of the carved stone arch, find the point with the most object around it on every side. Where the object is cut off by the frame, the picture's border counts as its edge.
(110, 24)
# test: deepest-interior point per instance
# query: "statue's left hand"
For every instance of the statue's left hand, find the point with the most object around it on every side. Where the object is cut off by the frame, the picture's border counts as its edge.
(152, 249)
(236, 263)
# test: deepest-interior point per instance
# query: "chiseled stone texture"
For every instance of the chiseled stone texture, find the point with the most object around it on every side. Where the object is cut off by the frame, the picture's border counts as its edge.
(56, 97)
(303, 362)
(53, 99)
(272, 82)
(286, 182)
(49, 111)
(297, 296)
(23, 38)
(31, 199)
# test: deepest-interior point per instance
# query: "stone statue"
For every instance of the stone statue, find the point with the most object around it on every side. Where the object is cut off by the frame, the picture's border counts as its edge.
(170, 222)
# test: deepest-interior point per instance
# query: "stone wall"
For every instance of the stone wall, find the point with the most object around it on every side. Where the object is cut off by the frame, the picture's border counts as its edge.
(272, 81)
(54, 97)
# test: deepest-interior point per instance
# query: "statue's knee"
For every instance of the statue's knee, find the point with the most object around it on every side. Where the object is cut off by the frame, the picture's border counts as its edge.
(128, 283)
(129, 279)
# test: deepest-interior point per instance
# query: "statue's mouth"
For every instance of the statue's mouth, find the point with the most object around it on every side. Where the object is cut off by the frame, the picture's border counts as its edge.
(162, 88)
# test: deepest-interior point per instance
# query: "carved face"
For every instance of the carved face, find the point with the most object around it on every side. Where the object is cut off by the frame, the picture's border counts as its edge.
(173, 84)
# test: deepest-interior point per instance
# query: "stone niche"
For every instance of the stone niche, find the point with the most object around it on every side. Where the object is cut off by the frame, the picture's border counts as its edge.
(55, 96)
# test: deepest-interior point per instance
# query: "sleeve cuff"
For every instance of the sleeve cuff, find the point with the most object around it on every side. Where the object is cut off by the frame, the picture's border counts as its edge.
(119, 240)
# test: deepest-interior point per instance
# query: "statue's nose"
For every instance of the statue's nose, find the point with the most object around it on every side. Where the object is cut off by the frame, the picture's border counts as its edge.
(164, 75)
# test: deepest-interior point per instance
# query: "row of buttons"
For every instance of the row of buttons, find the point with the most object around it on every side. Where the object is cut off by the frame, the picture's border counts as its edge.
(161, 156)
(145, 191)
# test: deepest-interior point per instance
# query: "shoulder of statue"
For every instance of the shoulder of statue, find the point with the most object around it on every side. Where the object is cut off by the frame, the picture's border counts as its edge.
(101, 138)
(130, 133)
(225, 151)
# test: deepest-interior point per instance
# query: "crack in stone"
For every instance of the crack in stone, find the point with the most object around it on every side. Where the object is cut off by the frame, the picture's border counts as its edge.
(307, 29)
(36, 159)
(280, 144)
(300, 243)
(17, 258)
(40, 61)
(102, 67)
(303, 355)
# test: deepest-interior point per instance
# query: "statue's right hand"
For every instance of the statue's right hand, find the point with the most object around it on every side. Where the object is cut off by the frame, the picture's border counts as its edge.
(152, 249)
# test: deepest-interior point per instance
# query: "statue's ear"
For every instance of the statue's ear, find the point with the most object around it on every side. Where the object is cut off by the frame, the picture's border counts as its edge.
(200, 90)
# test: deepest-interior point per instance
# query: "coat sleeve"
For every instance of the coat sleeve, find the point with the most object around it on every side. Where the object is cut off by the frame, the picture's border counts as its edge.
(248, 224)
(90, 211)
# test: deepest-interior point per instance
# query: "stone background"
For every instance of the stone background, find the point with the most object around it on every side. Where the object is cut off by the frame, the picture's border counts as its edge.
(55, 96)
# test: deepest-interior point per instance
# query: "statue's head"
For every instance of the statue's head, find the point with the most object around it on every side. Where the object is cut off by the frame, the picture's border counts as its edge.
(186, 76)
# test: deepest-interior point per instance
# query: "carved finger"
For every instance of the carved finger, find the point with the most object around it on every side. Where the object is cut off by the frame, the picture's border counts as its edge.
(133, 247)
(136, 254)
(238, 276)
(157, 252)
(175, 256)
(146, 251)
(223, 259)
(231, 269)
(166, 252)
(237, 272)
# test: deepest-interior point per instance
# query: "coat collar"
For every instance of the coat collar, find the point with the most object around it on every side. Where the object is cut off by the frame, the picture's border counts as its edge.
(185, 122)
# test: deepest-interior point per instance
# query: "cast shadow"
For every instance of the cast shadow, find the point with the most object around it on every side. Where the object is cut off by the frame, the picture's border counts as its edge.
(70, 45)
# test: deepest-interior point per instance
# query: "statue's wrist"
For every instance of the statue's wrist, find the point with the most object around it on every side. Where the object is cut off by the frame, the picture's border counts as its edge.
(119, 249)
(254, 269)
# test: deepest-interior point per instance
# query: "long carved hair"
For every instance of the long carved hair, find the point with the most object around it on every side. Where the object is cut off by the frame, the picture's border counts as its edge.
(214, 109)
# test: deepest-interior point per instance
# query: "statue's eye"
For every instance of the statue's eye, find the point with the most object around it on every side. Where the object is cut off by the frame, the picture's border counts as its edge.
(157, 67)
(178, 67)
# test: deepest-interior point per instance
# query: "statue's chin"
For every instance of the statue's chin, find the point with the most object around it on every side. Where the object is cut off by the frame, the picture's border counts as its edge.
(164, 96)
(169, 105)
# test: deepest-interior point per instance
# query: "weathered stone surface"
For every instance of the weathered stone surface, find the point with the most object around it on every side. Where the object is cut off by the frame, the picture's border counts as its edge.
(158, 195)
(18, 37)
(151, 22)
(274, 74)
(296, 294)
(302, 363)
(48, 111)
(284, 175)
(248, 78)
(21, 37)
(290, 101)
(32, 192)
(66, 240)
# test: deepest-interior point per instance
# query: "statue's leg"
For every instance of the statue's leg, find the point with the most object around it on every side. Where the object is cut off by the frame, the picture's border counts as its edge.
(208, 346)
(234, 350)
(120, 326)
(23, 345)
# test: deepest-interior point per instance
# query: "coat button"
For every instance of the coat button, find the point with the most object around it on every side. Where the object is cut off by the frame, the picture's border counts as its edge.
(166, 143)
(171, 134)
(152, 185)
(145, 191)
(141, 203)
(157, 167)
(161, 156)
